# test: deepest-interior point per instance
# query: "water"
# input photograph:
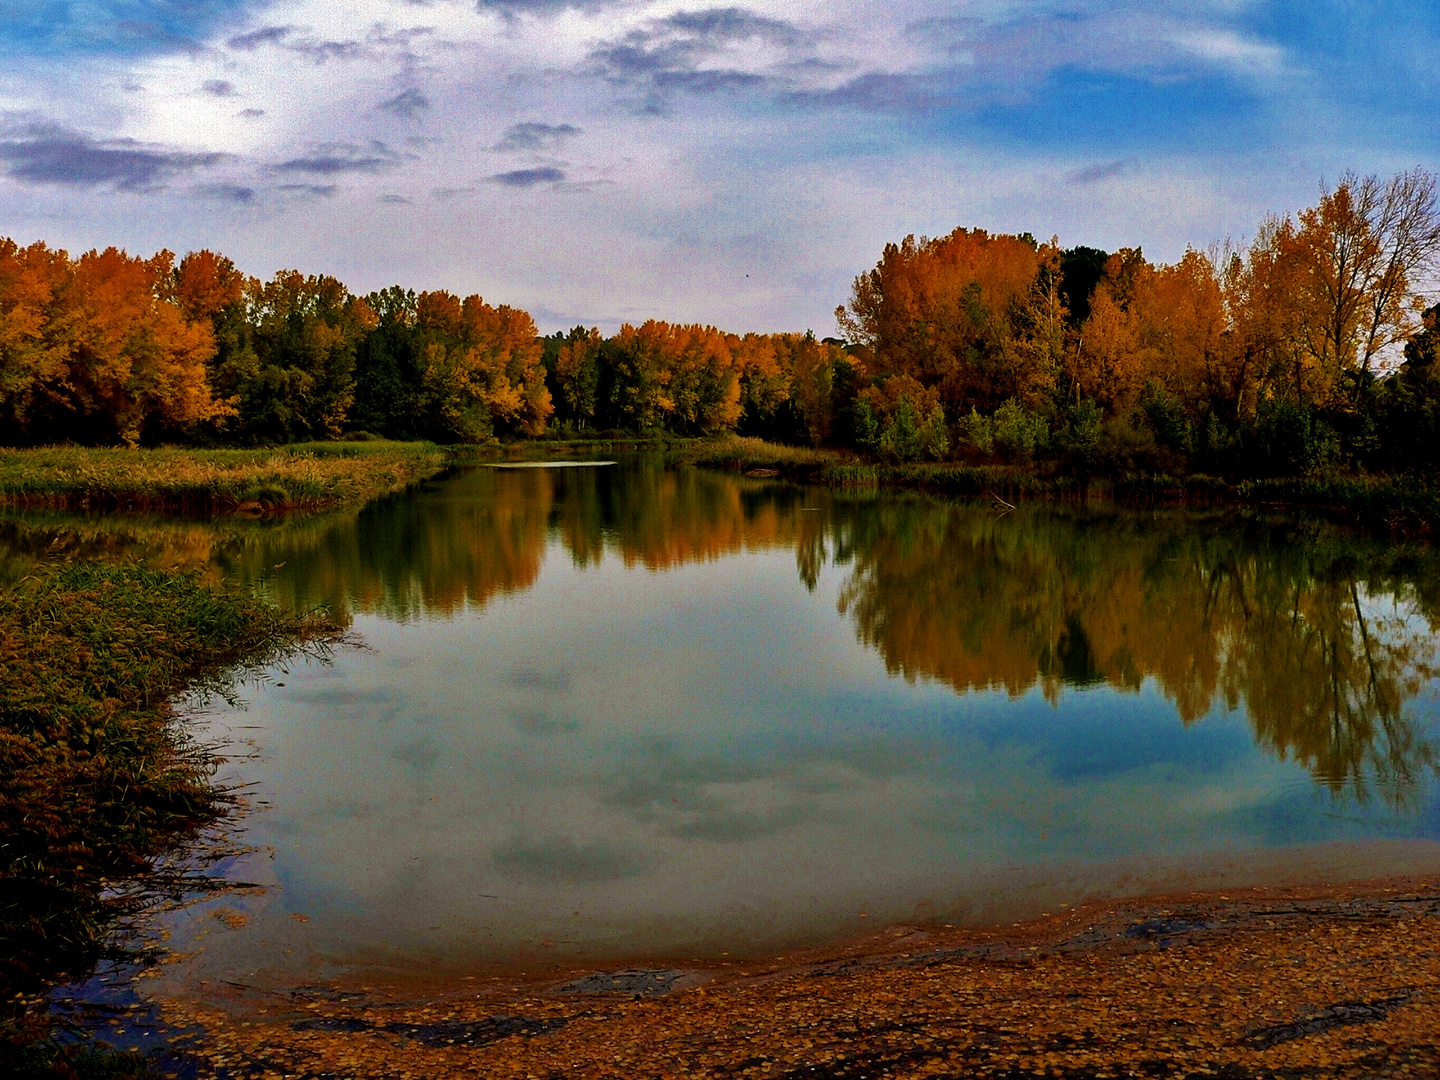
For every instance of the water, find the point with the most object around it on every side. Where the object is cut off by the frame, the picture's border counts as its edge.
(621, 711)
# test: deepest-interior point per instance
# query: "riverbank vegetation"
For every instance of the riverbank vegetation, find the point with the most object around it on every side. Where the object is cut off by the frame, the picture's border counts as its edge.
(1309, 349)
(1301, 366)
(105, 792)
(296, 476)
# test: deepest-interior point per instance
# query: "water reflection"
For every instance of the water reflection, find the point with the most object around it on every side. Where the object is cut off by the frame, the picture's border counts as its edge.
(634, 709)
(1324, 642)
(1321, 640)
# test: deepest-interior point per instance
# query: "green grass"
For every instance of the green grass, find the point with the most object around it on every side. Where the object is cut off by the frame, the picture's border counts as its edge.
(102, 791)
(305, 476)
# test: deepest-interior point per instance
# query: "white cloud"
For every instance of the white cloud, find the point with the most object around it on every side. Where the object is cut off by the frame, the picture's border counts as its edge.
(653, 154)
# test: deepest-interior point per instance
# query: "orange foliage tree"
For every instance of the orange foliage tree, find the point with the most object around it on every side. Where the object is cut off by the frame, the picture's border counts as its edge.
(97, 348)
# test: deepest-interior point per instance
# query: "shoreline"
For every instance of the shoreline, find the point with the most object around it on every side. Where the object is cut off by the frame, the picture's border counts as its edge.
(1398, 507)
(1329, 981)
(296, 477)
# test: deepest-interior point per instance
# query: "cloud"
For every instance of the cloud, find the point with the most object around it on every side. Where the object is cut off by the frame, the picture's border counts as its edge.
(535, 136)
(732, 24)
(698, 52)
(1094, 174)
(394, 200)
(445, 194)
(265, 35)
(408, 104)
(512, 8)
(1229, 48)
(235, 193)
(219, 88)
(250, 114)
(320, 51)
(319, 191)
(882, 92)
(336, 158)
(524, 178)
(285, 37)
(48, 154)
(560, 859)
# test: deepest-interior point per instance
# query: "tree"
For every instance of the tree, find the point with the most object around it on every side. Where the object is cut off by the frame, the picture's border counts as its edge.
(34, 354)
(946, 312)
(298, 381)
(1356, 259)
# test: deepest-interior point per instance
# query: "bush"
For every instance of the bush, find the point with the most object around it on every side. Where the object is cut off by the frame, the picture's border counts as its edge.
(1079, 440)
(1288, 439)
(978, 431)
(934, 435)
(900, 440)
(1165, 415)
(1019, 433)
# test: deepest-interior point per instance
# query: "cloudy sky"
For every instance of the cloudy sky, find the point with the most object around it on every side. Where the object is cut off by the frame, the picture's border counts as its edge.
(600, 161)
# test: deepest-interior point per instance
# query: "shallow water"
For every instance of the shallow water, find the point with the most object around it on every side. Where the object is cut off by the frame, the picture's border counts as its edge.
(626, 710)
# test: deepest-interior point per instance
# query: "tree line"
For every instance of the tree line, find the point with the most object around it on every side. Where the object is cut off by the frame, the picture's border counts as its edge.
(1313, 346)
(110, 348)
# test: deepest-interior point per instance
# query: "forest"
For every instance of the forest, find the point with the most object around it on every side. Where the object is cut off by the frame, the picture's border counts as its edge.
(1311, 348)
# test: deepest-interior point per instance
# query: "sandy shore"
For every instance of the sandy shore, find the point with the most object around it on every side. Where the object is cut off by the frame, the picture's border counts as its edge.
(1341, 982)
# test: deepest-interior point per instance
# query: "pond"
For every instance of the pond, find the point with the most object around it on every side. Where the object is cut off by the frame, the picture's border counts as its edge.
(628, 710)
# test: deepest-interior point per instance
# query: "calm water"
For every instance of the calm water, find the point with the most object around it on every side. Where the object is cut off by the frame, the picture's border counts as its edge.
(618, 711)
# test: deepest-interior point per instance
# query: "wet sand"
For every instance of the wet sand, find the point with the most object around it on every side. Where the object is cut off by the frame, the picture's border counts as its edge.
(1317, 982)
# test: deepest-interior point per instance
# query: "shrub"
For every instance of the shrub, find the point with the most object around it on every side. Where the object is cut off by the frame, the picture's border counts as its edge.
(1288, 439)
(900, 440)
(1019, 433)
(934, 435)
(978, 431)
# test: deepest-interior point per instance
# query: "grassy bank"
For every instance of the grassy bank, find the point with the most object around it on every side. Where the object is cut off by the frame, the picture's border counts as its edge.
(102, 792)
(306, 476)
(1404, 506)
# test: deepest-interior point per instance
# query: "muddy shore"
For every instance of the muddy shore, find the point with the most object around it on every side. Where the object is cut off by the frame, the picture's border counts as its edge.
(1318, 982)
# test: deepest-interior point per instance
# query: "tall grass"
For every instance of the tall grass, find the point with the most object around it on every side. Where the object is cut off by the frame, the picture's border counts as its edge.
(98, 777)
(299, 476)
(1403, 506)
(742, 453)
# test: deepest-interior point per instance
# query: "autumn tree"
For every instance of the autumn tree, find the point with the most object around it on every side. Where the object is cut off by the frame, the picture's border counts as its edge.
(296, 378)
(97, 349)
(947, 313)
(438, 367)
(34, 352)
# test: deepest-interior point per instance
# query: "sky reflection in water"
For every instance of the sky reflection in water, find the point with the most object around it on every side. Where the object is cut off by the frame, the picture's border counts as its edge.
(633, 710)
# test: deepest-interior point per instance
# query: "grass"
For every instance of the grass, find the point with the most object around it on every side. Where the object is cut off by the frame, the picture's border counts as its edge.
(302, 476)
(102, 791)
(836, 468)
(744, 454)
(1404, 507)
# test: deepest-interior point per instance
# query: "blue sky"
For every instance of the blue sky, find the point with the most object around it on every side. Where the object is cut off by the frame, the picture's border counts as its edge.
(606, 161)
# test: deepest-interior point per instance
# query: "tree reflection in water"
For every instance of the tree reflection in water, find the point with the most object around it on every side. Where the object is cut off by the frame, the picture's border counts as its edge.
(1327, 642)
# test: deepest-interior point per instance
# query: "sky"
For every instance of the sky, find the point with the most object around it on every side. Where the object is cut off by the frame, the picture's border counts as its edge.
(605, 161)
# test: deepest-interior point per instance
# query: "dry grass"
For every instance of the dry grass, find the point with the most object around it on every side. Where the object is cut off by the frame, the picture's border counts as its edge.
(300, 476)
(739, 452)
